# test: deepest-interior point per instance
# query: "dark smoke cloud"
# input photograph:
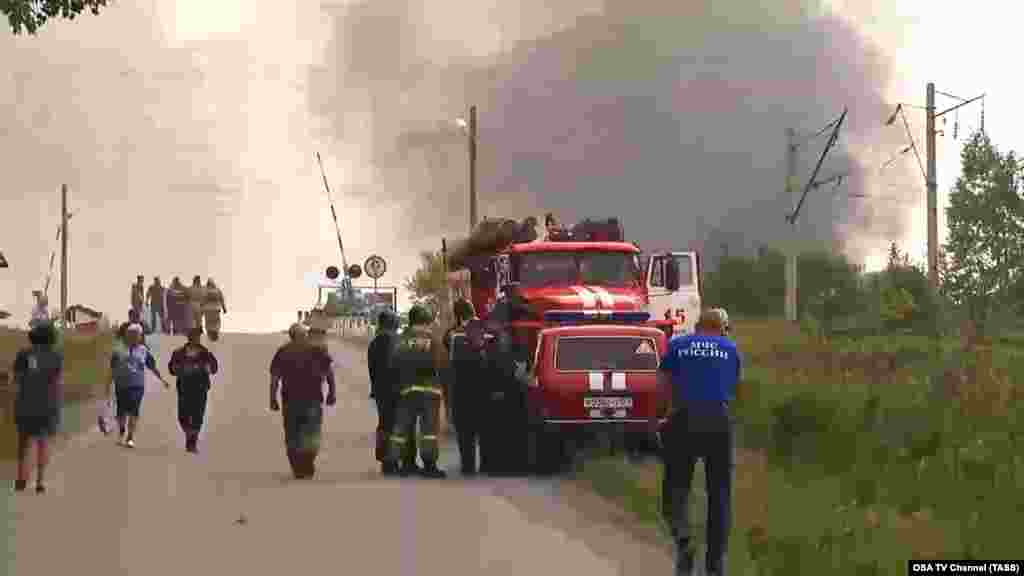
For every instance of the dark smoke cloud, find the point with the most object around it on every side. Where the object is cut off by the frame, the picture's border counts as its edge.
(671, 118)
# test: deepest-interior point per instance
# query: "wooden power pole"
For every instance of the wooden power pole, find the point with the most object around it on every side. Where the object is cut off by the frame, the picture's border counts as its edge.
(64, 252)
(472, 169)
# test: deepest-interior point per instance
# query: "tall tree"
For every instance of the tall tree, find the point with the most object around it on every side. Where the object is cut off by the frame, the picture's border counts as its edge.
(985, 218)
(429, 284)
(30, 15)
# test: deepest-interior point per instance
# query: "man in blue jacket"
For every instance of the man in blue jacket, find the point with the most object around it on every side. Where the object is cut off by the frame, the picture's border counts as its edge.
(704, 369)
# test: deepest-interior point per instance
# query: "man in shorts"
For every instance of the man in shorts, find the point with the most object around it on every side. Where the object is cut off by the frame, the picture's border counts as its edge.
(38, 373)
(300, 368)
(129, 369)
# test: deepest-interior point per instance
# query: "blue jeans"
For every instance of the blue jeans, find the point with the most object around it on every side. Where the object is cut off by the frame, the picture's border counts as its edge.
(704, 433)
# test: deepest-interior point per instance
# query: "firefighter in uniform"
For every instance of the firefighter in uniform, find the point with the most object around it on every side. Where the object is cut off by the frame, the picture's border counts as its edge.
(464, 342)
(420, 394)
(384, 391)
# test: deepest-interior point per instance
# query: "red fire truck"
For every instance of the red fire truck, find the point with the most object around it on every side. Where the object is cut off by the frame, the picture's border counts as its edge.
(595, 315)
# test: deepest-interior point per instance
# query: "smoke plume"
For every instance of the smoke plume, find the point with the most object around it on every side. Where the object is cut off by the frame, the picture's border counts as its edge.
(670, 115)
(186, 130)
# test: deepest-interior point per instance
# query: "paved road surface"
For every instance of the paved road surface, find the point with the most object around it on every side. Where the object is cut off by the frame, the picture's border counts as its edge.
(158, 510)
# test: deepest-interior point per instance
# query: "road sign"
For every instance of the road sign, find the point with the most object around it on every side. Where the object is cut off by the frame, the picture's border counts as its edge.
(375, 267)
(3, 261)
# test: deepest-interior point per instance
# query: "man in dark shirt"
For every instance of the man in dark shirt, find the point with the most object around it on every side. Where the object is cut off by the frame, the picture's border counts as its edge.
(193, 364)
(504, 444)
(380, 358)
(704, 369)
(465, 343)
(38, 373)
(301, 368)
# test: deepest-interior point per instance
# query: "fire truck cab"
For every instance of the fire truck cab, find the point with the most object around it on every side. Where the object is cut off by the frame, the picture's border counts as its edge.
(673, 282)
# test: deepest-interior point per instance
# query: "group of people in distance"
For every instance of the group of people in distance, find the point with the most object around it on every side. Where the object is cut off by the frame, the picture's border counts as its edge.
(176, 309)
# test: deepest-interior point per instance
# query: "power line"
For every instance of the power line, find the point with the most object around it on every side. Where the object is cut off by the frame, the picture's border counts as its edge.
(821, 159)
(819, 133)
(913, 144)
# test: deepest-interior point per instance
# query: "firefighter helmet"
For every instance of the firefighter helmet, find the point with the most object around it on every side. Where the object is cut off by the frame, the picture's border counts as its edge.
(418, 316)
(387, 320)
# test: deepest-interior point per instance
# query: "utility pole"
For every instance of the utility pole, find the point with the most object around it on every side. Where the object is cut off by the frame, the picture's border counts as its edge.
(798, 203)
(472, 169)
(64, 252)
(791, 254)
(932, 183)
(931, 177)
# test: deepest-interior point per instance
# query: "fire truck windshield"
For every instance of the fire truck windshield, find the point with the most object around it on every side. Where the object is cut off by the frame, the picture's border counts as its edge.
(538, 269)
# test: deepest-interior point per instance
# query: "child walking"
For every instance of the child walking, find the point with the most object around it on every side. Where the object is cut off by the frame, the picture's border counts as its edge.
(38, 375)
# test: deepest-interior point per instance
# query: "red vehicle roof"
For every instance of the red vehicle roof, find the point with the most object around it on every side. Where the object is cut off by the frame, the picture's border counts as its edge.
(604, 330)
(573, 247)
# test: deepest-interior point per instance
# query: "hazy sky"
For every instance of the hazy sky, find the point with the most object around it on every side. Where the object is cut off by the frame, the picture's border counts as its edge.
(186, 129)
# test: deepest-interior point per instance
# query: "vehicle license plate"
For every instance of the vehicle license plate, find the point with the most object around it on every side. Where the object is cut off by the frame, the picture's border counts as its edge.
(607, 402)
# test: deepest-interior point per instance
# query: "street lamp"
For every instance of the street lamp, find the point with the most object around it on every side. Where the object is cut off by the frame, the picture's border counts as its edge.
(469, 126)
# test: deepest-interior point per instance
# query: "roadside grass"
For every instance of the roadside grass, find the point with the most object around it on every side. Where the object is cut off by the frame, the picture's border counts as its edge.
(858, 454)
(86, 359)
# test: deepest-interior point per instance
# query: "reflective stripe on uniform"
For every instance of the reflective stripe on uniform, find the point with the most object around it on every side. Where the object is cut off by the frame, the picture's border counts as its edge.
(424, 389)
(429, 437)
(398, 439)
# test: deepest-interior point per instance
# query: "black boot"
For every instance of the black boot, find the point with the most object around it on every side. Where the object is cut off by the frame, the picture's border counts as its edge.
(19, 485)
(430, 470)
(684, 560)
(409, 469)
(388, 469)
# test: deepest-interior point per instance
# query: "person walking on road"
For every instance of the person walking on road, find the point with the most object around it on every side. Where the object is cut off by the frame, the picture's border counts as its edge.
(194, 296)
(105, 407)
(300, 369)
(465, 352)
(138, 294)
(213, 307)
(156, 298)
(193, 365)
(38, 375)
(384, 390)
(176, 302)
(704, 369)
(420, 394)
(129, 369)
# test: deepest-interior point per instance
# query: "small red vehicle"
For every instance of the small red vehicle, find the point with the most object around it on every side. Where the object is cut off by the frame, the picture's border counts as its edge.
(593, 371)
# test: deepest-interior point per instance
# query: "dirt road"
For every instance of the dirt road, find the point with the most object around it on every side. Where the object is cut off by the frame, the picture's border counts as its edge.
(234, 510)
